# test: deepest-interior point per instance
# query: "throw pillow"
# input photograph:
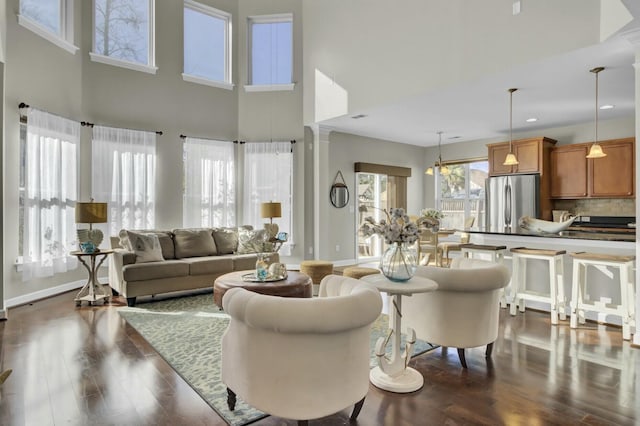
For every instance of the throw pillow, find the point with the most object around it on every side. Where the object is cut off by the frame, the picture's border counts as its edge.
(145, 246)
(166, 241)
(194, 243)
(253, 241)
(226, 240)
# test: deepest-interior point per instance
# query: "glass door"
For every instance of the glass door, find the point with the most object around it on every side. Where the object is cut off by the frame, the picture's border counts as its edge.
(372, 201)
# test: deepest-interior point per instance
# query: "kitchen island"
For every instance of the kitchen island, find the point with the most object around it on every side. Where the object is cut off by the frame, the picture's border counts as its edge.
(600, 281)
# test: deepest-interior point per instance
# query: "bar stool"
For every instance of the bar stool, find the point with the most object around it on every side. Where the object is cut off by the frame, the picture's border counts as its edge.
(496, 254)
(556, 280)
(626, 308)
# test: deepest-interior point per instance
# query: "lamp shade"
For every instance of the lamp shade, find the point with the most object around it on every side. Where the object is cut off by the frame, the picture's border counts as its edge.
(511, 160)
(91, 212)
(270, 210)
(596, 151)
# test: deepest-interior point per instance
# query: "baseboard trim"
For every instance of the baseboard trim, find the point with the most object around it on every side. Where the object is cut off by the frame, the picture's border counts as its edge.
(47, 292)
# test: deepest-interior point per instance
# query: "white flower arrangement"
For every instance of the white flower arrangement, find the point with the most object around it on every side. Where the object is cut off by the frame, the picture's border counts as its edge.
(397, 228)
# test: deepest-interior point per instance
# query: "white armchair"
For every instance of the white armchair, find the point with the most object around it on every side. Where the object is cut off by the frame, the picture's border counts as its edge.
(300, 358)
(464, 311)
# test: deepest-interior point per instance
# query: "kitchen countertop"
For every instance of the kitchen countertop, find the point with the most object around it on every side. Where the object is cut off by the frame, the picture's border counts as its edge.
(569, 234)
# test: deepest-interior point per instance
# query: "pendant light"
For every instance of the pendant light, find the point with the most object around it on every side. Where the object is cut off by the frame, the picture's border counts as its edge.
(511, 159)
(596, 150)
(444, 170)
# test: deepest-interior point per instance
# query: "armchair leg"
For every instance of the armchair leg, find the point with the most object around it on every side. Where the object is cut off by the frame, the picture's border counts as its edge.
(303, 422)
(463, 360)
(231, 399)
(487, 354)
(356, 409)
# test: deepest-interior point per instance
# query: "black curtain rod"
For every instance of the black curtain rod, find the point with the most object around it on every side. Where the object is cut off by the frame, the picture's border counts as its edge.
(197, 137)
(23, 105)
(87, 124)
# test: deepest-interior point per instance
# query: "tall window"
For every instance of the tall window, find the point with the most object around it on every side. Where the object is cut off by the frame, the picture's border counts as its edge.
(124, 33)
(460, 194)
(373, 198)
(207, 44)
(268, 168)
(123, 175)
(51, 19)
(271, 49)
(50, 172)
(209, 184)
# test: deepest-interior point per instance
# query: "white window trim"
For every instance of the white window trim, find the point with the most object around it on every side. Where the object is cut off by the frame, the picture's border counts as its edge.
(95, 57)
(149, 67)
(269, 87)
(227, 17)
(45, 33)
(268, 19)
(207, 82)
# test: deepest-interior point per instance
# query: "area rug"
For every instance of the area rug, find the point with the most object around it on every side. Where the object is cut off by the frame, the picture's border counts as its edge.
(186, 332)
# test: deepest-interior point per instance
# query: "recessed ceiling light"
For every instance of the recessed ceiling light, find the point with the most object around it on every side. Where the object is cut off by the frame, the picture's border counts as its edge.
(607, 106)
(531, 120)
(355, 117)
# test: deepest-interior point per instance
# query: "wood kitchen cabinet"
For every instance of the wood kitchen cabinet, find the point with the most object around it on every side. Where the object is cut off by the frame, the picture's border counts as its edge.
(532, 155)
(575, 176)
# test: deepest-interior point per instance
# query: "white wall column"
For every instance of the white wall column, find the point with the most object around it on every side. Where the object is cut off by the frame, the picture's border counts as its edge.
(320, 190)
(633, 37)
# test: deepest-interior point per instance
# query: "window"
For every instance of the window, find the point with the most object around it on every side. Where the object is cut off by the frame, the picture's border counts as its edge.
(207, 45)
(268, 168)
(271, 50)
(460, 194)
(373, 197)
(123, 33)
(49, 194)
(51, 19)
(123, 165)
(209, 184)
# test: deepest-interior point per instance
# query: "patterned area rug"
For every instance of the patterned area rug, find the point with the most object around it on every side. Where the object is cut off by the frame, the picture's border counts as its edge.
(186, 332)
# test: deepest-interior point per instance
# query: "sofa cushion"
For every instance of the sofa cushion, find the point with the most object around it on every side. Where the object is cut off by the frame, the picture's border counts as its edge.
(193, 243)
(253, 241)
(145, 246)
(165, 237)
(226, 240)
(210, 265)
(155, 270)
(243, 262)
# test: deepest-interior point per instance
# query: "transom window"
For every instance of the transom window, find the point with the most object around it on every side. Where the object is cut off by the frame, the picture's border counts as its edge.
(460, 194)
(51, 19)
(207, 44)
(123, 33)
(271, 49)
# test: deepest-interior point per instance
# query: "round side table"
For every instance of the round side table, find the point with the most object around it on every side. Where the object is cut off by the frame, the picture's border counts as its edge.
(92, 290)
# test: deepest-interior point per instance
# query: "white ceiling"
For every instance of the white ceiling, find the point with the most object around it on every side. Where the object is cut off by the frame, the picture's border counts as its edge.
(558, 91)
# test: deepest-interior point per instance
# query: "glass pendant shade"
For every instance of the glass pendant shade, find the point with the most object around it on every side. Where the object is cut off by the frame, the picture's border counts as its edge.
(511, 160)
(429, 171)
(444, 171)
(596, 151)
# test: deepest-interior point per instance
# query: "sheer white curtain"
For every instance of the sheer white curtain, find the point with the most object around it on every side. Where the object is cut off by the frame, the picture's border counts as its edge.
(51, 192)
(268, 171)
(123, 175)
(209, 183)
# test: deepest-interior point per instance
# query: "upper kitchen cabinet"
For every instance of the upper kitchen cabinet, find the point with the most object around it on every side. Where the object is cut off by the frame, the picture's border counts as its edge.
(532, 155)
(575, 176)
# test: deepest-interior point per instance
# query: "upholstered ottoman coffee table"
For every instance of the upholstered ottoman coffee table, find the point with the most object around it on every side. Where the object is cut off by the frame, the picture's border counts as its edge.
(296, 284)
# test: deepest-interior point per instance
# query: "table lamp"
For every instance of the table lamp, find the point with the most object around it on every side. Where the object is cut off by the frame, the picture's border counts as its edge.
(271, 210)
(90, 213)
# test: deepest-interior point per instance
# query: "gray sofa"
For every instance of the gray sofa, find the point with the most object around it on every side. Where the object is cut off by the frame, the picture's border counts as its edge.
(149, 262)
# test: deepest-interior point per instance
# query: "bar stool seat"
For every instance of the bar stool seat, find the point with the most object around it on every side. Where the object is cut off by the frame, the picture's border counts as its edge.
(495, 253)
(626, 308)
(556, 298)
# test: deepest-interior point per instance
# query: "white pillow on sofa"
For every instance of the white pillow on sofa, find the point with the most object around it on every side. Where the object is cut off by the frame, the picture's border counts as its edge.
(146, 247)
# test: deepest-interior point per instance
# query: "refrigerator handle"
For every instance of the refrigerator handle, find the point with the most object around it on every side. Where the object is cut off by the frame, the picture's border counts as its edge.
(507, 204)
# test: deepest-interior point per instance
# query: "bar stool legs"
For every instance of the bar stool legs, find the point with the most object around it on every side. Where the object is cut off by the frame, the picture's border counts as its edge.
(556, 297)
(626, 308)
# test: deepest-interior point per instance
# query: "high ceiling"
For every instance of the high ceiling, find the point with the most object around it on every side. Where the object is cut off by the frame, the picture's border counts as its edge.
(558, 91)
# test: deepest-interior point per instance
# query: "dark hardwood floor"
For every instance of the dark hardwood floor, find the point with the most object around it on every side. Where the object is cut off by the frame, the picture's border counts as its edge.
(86, 366)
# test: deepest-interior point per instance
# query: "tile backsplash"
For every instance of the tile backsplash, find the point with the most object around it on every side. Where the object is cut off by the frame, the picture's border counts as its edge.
(598, 206)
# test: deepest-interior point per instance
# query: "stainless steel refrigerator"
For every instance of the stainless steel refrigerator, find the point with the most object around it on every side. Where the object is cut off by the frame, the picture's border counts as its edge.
(510, 197)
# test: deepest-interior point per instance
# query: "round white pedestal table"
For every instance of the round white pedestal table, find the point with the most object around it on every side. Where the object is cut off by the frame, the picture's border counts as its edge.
(395, 375)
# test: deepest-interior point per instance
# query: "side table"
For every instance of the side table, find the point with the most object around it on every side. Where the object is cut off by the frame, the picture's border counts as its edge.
(92, 290)
(395, 375)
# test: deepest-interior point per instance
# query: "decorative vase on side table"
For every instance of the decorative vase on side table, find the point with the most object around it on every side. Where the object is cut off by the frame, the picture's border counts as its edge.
(399, 262)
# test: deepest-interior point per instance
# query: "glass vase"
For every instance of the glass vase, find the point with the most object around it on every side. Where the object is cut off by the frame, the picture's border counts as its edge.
(399, 261)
